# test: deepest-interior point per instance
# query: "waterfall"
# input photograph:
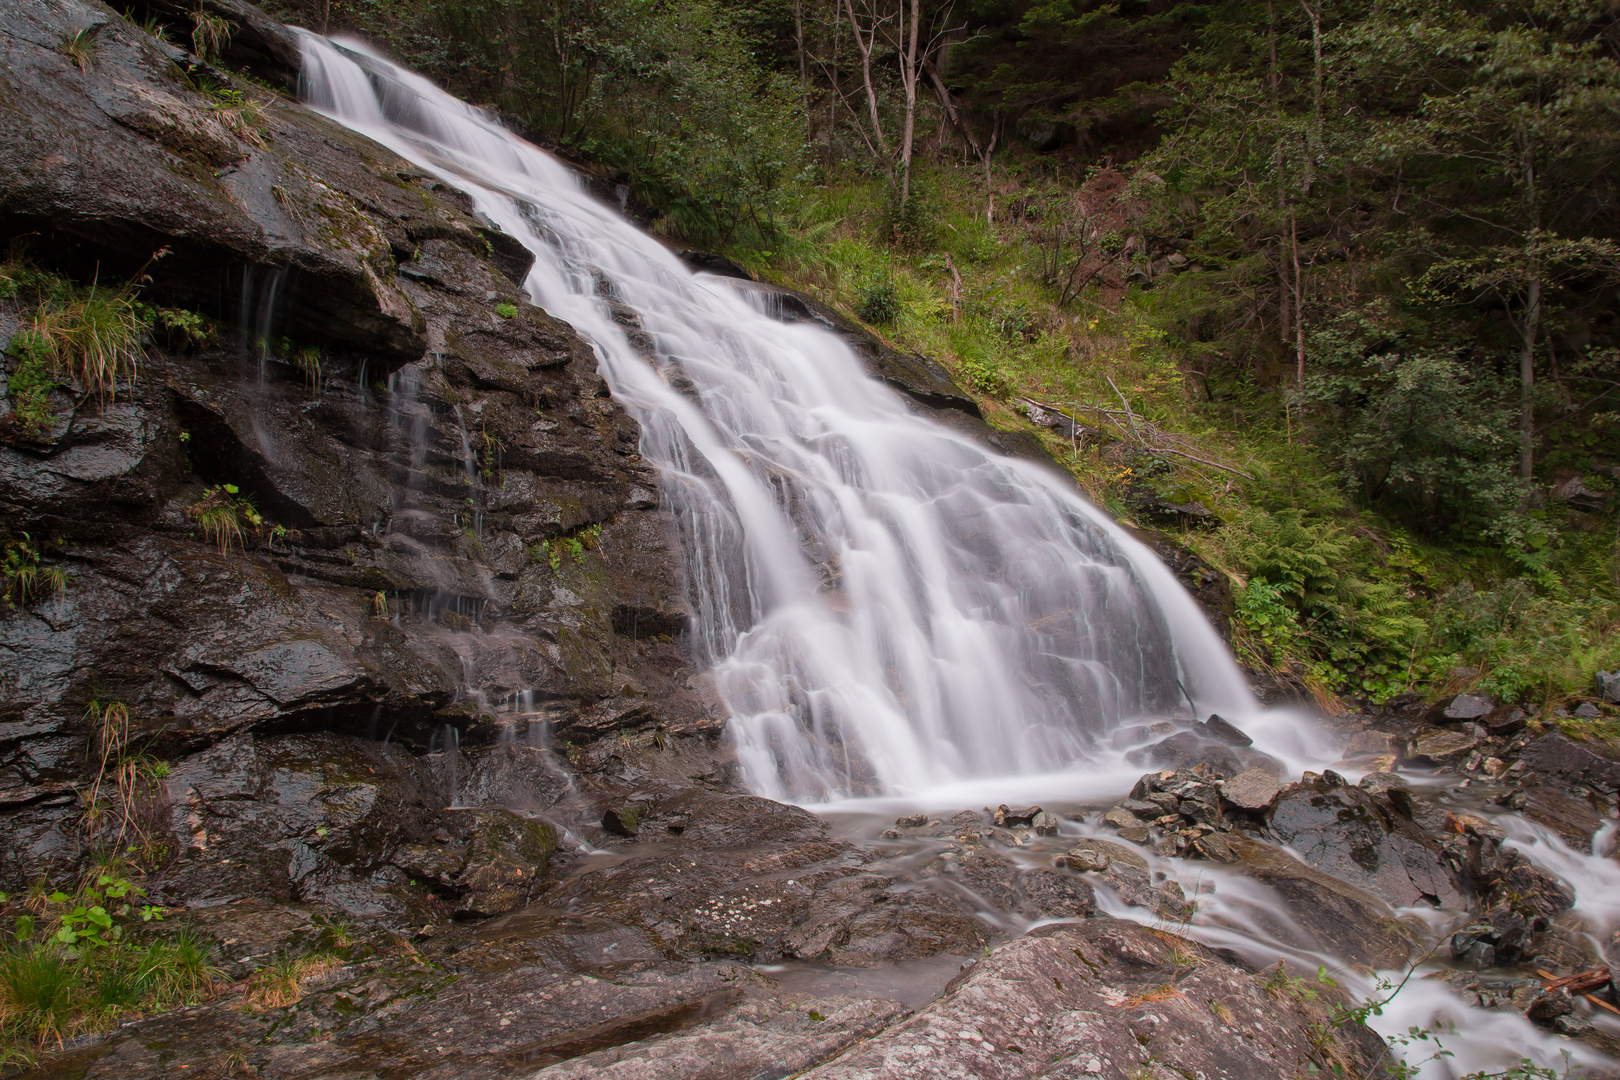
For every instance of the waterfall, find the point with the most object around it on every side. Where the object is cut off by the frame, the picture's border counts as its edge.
(887, 606)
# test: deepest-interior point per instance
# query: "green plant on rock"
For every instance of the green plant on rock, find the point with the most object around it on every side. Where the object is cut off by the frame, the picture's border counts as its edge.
(210, 34)
(308, 361)
(93, 338)
(24, 577)
(178, 328)
(82, 962)
(506, 311)
(224, 517)
(81, 47)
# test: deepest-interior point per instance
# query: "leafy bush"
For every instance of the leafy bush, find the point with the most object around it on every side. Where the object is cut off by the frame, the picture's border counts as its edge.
(880, 303)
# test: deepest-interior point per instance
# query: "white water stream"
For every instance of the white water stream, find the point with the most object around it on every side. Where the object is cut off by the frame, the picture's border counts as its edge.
(896, 616)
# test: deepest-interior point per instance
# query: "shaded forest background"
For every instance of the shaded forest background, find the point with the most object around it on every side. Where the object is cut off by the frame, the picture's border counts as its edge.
(1328, 289)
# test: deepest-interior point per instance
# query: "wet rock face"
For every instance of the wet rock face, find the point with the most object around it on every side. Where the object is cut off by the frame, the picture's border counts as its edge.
(1360, 839)
(458, 533)
(720, 876)
(1104, 998)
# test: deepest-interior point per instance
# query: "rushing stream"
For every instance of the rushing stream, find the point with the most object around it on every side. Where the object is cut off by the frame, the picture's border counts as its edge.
(896, 616)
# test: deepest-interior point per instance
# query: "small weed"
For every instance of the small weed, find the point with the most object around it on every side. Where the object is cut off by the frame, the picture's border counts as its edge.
(308, 361)
(1222, 1011)
(29, 386)
(81, 47)
(25, 579)
(93, 338)
(210, 34)
(220, 514)
(178, 328)
(506, 311)
(242, 115)
(281, 982)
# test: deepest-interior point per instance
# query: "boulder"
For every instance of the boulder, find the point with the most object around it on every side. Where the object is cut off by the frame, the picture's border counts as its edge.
(1187, 749)
(1359, 839)
(1337, 917)
(1565, 762)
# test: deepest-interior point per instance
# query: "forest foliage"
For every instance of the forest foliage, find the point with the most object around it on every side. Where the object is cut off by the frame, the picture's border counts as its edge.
(1351, 265)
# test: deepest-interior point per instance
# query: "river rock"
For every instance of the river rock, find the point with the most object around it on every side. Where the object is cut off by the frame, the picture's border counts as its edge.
(1104, 998)
(1340, 918)
(1186, 749)
(1222, 729)
(1562, 760)
(1572, 819)
(1359, 839)
(1441, 746)
(1253, 790)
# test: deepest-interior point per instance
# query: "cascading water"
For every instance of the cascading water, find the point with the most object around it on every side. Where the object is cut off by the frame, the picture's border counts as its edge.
(887, 605)
(890, 610)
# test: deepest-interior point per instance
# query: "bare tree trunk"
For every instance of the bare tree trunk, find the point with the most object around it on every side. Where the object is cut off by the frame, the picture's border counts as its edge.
(908, 79)
(864, 41)
(1274, 76)
(1527, 377)
(798, 41)
(1299, 298)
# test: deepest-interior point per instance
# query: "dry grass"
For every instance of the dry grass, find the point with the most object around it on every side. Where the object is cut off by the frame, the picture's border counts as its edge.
(93, 339)
(281, 982)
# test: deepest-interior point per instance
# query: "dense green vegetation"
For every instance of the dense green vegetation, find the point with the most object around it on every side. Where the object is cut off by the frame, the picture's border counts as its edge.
(1338, 279)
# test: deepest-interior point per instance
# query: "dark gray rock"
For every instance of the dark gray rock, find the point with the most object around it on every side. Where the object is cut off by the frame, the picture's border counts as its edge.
(1566, 762)
(1225, 731)
(1346, 921)
(1467, 707)
(1360, 839)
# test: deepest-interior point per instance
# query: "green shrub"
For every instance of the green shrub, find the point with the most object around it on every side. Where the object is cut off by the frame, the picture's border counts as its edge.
(880, 303)
(221, 516)
(24, 578)
(29, 386)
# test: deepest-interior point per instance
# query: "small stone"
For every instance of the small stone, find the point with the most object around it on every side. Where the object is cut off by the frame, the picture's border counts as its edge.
(912, 821)
(1006, 817)
(1215, 846)
(1253, 790)
(1467, 707)
(1122, 819)
(1084, 860)
(1608, 686)
(1439, 745)
(889, 834)
(1165, 800)
(1507, 720)
(1142, 808)
(1494, 766)
(1045, 824)
(1475, 760)
(1136, 835)
(1221, 728)
(1366, 744)
(1588, 711)
(1548, 1006)
(1376, 783)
